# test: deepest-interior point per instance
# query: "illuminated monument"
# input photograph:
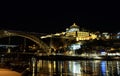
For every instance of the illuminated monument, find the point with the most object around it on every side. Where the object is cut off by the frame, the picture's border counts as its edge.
(74, 31)
(79, 35)
(72, 34)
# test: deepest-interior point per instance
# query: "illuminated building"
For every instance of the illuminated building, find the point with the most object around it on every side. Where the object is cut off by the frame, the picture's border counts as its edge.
(74, 31)
(105, 35)
(79, 35)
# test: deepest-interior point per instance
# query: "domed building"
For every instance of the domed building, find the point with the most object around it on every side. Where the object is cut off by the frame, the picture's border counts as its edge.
(73, 38)
(74, 31)
(73, 28)
(79, 35)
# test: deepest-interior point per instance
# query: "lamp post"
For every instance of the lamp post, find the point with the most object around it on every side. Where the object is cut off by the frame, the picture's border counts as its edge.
(9, 41)
(50, 44)
(8, 34)
(9, 50)
(24, 45)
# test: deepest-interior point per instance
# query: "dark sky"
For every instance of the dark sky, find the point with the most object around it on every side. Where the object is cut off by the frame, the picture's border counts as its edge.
(56, 16)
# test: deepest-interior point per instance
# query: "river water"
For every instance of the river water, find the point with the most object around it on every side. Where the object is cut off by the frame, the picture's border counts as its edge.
(77, 68)
(67, 67)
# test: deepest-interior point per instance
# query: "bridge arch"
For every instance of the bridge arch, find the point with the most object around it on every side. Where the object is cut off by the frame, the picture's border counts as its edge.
(41, 44)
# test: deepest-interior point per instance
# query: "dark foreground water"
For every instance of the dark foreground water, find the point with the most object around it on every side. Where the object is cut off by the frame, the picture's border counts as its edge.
(33, 67)
(77, 68)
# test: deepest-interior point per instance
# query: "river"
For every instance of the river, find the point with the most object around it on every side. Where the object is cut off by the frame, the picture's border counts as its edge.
(77, 68)
(64, 67)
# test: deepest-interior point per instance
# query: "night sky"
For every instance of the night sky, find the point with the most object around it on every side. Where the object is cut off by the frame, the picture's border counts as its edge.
(52, 17)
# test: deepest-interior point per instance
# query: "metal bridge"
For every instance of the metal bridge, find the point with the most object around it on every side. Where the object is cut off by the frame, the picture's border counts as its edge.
(30, 36)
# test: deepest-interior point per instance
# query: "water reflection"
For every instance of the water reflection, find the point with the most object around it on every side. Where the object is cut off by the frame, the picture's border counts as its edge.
(78, 68)
(67, 68)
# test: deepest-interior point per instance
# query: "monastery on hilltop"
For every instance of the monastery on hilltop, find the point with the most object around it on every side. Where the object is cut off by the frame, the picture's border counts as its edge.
(74, 31)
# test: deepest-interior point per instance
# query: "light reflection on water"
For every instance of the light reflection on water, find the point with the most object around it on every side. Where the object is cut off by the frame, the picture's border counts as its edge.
(78, 68)
(73, 67)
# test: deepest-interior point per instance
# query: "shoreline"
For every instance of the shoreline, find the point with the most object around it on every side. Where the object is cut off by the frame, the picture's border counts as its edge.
(65, 57)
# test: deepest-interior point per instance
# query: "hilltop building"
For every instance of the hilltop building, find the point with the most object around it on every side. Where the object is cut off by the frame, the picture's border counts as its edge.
(74, 31)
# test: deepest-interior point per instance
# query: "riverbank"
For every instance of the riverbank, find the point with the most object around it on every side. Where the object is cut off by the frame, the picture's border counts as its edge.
(67, 57)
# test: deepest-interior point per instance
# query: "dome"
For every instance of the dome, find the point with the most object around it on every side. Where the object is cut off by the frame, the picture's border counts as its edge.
(74, 26)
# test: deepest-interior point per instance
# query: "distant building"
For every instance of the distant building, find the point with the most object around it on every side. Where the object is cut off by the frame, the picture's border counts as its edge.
(74, 31)
(105, 35)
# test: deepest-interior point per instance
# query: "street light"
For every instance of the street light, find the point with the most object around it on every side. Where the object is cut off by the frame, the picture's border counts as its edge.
(9, 39)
